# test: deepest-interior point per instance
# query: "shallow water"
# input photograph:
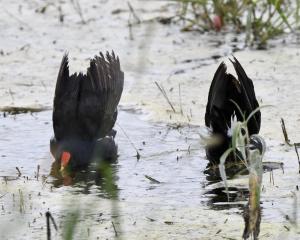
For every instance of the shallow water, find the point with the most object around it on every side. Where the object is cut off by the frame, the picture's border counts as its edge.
(187, 203)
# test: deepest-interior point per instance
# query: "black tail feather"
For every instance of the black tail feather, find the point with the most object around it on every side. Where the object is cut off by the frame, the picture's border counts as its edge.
(248, 101)
(85, 105)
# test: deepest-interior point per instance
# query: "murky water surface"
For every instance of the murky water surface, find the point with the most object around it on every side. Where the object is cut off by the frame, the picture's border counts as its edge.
(166, 194)
(184, 202)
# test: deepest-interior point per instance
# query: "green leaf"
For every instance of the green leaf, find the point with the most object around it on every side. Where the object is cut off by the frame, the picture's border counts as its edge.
(277, 5)
(255, 111)
(222, 169)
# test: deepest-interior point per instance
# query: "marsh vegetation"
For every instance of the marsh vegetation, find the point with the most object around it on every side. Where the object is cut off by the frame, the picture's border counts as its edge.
(259, 20)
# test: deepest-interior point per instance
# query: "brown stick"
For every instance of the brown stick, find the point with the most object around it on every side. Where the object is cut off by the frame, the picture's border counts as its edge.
(162, 90)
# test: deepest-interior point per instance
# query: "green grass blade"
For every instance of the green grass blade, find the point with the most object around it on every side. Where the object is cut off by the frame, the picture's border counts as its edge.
(277, 5)
(255, 111)
(222, 169)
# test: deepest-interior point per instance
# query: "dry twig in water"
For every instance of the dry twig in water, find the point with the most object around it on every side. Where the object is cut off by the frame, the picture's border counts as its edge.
(48, 218)
(162, 90)
(285, 134)
(116, 233)
(288, 142)
(138, 20)
(296, 149)
(152, 179)
(77, 8)
(181, 111)
(19, 172)
(138, 156)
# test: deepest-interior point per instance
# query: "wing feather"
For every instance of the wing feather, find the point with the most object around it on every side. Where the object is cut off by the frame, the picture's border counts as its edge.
(101, 95)
(65, 101)
(216, 95)
(248, 101)
(85, 105)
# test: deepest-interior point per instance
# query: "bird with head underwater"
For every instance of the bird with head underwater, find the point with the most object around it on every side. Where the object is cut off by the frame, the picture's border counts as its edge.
(228, 97)
(85, 112)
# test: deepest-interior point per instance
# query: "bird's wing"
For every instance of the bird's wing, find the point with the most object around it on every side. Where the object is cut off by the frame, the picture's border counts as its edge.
(216, 95)
(65, 102)
(217, 113)
(247, 101)
(99, 95)
(219, 110)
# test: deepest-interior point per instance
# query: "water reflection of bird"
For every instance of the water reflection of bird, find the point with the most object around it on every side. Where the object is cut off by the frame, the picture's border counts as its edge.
(224, 90)
(100, 179)
(85, 111)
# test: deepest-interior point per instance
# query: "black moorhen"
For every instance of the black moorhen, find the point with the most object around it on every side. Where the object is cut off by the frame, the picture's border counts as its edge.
(220, 109)
(85, 111)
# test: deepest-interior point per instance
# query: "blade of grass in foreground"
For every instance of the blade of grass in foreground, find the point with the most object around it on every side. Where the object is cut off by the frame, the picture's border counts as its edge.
(255, 180)
(222, 168)
(71, 224)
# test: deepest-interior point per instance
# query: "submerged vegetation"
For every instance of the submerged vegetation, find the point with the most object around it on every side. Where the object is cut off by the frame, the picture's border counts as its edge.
(260, 20)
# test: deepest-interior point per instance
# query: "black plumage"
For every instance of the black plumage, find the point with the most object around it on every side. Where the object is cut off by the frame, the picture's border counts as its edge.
(225, 90)
(85, 110)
